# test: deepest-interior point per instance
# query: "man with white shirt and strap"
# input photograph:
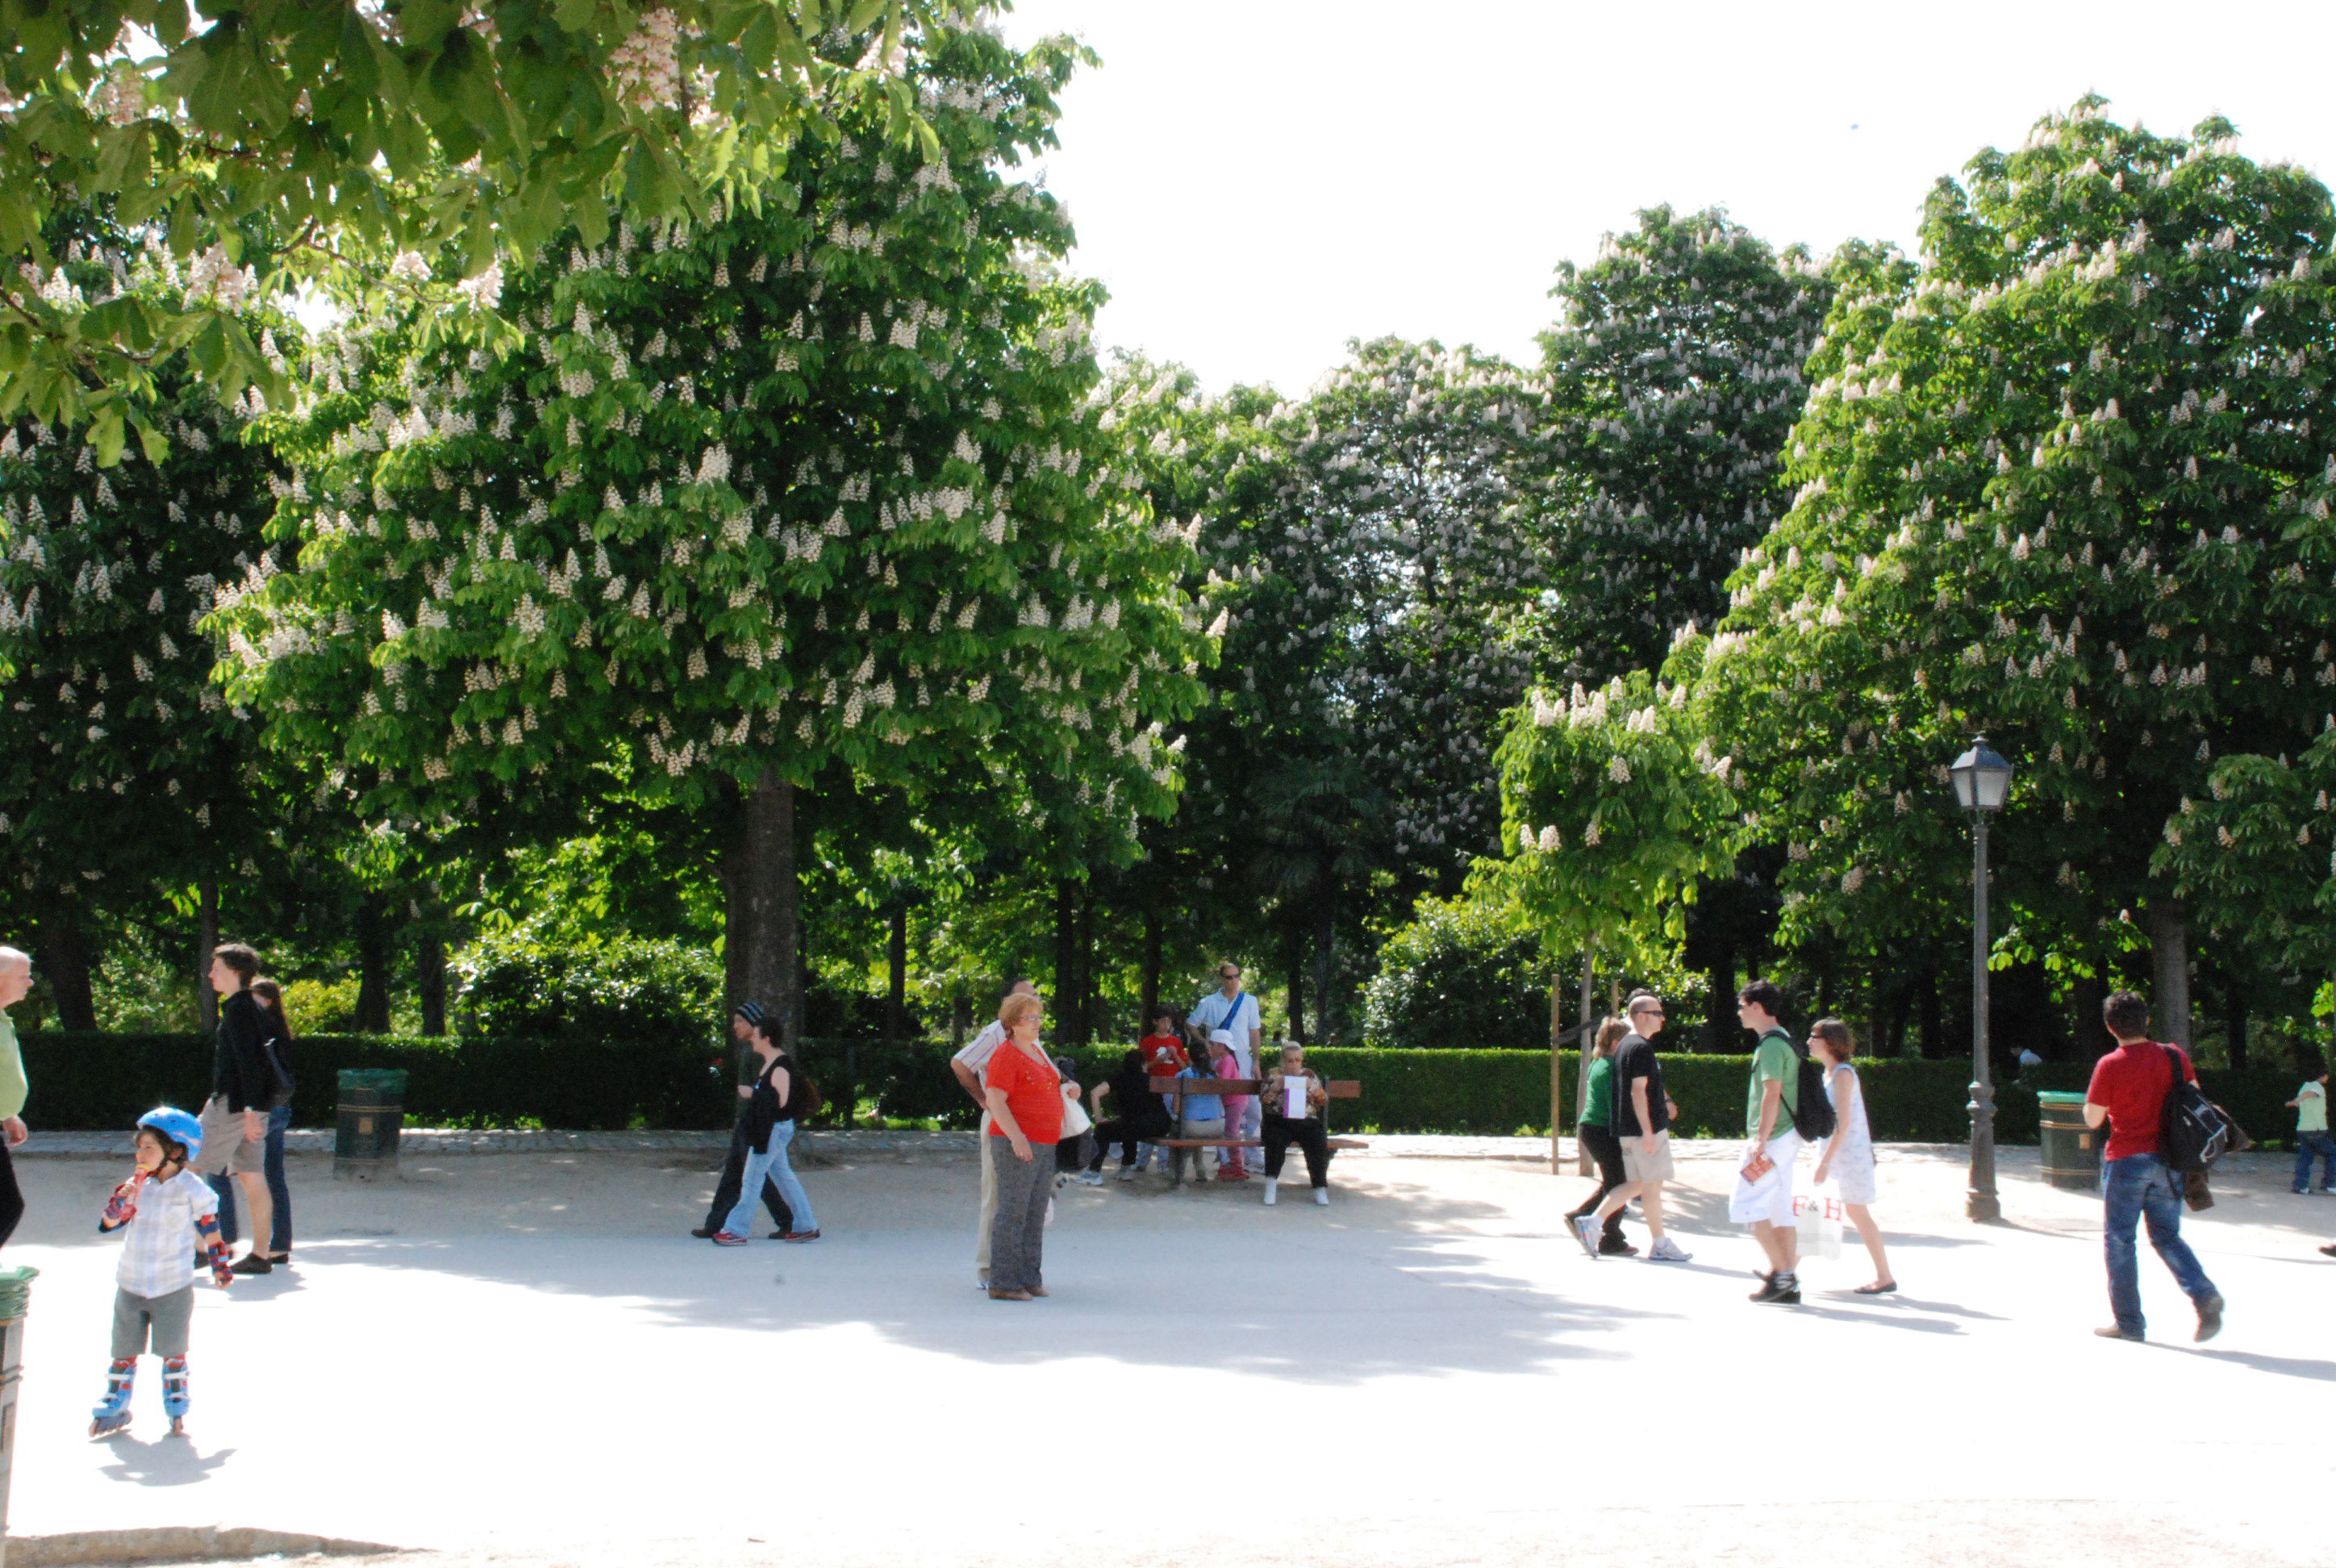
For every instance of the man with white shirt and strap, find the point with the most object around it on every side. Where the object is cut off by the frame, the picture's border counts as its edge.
(1233, 1010)
(971, 1065)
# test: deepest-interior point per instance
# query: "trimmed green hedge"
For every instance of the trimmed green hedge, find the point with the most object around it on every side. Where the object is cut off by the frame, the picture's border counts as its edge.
(102, 1080)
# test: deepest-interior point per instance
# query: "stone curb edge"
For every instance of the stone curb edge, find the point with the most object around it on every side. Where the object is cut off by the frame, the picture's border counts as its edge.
(179, 1543)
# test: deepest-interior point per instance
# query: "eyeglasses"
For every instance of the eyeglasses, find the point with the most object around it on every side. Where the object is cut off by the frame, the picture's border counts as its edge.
(1649, 1013)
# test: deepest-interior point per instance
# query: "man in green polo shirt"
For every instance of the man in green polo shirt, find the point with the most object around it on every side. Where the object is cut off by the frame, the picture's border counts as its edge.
(1763, 1198)
(15, 982)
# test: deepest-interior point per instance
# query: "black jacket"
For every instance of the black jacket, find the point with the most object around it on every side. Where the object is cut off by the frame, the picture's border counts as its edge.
(241, 1072)
(764, 1111)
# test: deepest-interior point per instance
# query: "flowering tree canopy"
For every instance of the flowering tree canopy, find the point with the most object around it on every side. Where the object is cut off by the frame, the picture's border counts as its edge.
(1672, 384)
(2066, 482)
(121, 763)
(272, 144)
(816, 486)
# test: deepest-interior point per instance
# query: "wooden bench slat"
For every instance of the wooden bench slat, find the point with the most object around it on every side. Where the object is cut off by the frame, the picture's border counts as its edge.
(1244, 1143)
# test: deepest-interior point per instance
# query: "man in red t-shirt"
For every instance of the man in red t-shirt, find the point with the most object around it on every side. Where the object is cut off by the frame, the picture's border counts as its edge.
(2129, 1092)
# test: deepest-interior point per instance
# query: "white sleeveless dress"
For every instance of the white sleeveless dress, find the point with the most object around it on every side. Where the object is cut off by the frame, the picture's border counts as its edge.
(1853, 1155)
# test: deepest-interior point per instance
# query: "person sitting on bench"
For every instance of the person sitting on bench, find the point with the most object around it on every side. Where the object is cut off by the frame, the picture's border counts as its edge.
(1295, 1097)
(1203, 1118)
(1141, 1118)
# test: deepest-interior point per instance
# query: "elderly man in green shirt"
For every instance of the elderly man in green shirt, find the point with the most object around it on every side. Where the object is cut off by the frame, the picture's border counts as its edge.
(15, 981)
(1763, 1198)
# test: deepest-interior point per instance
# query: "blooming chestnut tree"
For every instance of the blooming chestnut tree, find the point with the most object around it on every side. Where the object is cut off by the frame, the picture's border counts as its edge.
(813, 496)
(123, 771)
(285, 141)
(2066, 483)
(1671, 386)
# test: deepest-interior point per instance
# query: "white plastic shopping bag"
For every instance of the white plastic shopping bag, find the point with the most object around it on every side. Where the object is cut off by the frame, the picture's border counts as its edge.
(1818, 1214)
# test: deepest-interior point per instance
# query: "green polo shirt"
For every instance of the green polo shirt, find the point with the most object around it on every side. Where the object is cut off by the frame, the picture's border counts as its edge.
(12, 1087)
(1774, 1058)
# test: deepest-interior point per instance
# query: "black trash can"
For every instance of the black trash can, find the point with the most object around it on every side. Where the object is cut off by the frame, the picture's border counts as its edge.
(2072, 1151)
(373, 1112)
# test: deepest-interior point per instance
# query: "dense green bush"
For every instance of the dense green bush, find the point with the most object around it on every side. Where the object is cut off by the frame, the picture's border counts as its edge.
(99, 1080)
(524, 982)
(1458, 975)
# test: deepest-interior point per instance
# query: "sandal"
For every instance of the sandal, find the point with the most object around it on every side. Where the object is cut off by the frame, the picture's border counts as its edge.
(1886, 1288)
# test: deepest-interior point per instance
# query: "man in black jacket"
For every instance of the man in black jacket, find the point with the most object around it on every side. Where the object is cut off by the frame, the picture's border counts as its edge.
(744, 1017)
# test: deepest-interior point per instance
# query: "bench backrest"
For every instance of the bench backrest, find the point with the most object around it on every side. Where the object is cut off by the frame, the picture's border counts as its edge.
(1177, 1089)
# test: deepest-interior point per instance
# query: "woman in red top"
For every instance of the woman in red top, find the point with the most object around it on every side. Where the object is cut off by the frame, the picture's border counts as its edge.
(1025, 1113)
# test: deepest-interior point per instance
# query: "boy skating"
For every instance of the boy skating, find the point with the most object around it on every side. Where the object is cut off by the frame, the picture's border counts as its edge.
(171, 1215)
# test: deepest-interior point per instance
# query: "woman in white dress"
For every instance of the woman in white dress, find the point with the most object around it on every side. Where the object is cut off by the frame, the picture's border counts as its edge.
(1848, 1154)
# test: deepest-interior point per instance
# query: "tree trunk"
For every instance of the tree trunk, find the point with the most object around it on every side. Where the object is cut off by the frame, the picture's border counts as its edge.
(2169, 969)
(730, 866)
(1293, 956)
(1556, 1070)
(1082, 1023)
(896, 995)
(1067, 952)
(761, 919)
(2234, 1020)
(429, 977)
(960, 1021)
(206, 939)
(1325, 939)
(66, 961)
(1720, 1006)
(373, 965)
(1934, 1023)
(1150, 982)
(2086, 1038)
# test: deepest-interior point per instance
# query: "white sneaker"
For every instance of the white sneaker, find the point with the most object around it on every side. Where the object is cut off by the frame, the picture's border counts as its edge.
(1272, 1184)
(1668, 1251)
(1090, 1178)
(1322, 1196)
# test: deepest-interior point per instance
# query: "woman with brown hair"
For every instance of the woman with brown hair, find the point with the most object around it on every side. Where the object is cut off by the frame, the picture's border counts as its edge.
(1848, 1154)
(243, 1094)
(1595, 1132)
(1025, 1094)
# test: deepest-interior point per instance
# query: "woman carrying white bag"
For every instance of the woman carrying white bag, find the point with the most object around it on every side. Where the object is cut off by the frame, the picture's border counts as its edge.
(1848, 1156)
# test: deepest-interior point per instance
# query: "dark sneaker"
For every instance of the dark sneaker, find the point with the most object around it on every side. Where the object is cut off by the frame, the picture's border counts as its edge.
(704, 1232)
(1616, 1247)
(1787, 1289)
(2329, 1250)
(251, 1263)
(2210, 1318)
(799, 1236)
(1767, 1290)
(2114, 1332)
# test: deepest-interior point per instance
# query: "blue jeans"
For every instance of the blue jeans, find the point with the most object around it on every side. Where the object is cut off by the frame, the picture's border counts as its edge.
(771, 1160)
(2136, 1188)
(2309, 1145)
(271, 1165)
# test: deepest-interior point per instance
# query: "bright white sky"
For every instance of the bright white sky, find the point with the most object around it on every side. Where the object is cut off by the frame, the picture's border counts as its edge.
(1258, 180)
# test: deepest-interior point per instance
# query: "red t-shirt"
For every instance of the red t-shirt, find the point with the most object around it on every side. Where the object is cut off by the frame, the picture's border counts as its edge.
(1034, 1093)
(1164, 1055)
(2131, 1082)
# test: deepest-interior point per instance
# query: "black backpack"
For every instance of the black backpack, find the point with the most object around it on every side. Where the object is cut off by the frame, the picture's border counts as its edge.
(2193, 1132)
(1812, 1116)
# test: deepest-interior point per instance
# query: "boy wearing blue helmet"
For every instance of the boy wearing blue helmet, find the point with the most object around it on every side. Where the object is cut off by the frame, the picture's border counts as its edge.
(171, 1215)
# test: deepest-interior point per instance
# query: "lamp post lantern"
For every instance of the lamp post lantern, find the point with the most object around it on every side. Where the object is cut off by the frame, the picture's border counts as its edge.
(1982, 781)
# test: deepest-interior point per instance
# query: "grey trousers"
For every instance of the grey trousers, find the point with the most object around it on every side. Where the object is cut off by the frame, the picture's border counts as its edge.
(161, 1321)
(1018, 1235)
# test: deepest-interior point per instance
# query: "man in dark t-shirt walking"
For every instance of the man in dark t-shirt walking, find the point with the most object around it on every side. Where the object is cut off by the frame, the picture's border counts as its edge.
(1642, 1121)
(2129, 1092)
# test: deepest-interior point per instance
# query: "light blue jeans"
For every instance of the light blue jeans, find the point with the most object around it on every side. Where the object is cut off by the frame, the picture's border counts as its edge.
(2139, 1189)
(771, 1160)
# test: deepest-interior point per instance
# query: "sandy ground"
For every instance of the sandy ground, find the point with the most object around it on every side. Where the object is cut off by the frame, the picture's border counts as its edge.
(524, 1360)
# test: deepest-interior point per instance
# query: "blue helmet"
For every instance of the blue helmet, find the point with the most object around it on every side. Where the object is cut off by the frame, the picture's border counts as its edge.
(180, 1127)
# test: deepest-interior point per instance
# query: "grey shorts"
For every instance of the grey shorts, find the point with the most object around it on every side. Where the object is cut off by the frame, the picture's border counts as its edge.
(224, 1148)
(162, 1319)
(1638, 1166)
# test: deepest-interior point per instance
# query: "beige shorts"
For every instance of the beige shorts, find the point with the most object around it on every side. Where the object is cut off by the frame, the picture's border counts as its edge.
(224, 1148)
(1640, 1166)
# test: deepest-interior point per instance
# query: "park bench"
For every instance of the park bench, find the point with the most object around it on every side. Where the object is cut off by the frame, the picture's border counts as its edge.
(1175, 1089)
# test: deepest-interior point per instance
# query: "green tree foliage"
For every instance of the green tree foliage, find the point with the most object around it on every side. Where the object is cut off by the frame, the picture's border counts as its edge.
(284, 139)
(1672, 385)
(525, 982)
(816, 491)
(1462, 974)
(1615, 803)
(122, 769)
(2066, 483)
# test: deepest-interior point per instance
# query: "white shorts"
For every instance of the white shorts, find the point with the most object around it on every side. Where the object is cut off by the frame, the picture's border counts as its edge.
(1771, 1197)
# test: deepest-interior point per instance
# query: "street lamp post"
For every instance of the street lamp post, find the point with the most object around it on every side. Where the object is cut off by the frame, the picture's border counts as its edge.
(1982, 781)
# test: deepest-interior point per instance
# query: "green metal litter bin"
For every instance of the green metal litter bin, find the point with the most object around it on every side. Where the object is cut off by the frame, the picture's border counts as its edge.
(2072, 1151)
(373, 1112)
